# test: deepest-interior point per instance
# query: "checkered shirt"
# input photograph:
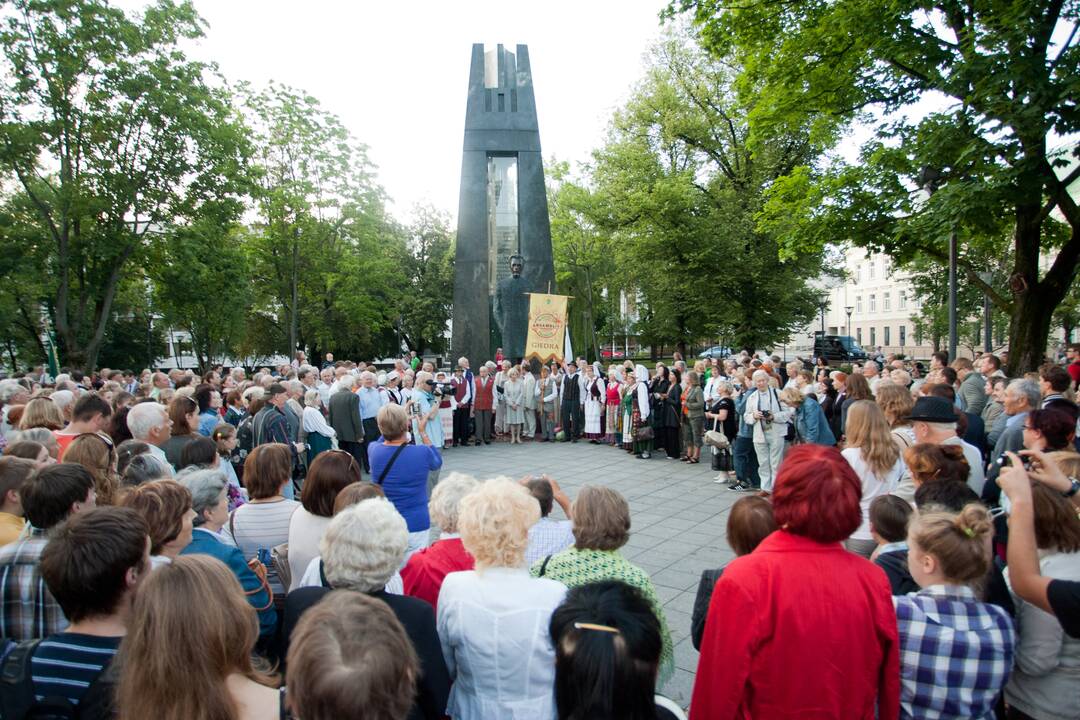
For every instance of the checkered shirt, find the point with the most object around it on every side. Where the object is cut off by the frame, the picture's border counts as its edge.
(29, 610)
(956, 653)
(548, 537)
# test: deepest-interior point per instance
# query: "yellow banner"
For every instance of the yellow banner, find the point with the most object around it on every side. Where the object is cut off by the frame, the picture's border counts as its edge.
(547, 327)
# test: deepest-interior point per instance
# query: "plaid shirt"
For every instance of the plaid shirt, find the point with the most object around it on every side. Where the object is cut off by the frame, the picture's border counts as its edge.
(956, 653)
(29, 610)
(548, 537)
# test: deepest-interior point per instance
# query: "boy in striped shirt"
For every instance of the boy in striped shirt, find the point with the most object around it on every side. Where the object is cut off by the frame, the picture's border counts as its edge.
(92, 566)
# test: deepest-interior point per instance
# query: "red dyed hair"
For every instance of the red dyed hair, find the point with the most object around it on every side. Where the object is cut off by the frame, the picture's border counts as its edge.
(817, 494)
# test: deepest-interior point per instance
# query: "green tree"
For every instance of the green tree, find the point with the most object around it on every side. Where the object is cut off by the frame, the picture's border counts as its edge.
(322, 249)
(584, 264)
(201, 283)
(429, 270)
(678, 186)
(1006, 76)
(109, 131)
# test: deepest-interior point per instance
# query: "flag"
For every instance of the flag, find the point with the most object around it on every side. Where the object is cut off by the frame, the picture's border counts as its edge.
(547, 316)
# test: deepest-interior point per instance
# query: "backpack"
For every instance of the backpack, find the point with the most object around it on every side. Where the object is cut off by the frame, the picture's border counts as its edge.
(18, 701)
(245, 435)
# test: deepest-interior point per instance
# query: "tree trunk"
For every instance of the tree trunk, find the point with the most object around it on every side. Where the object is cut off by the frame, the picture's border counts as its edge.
(1028, 331)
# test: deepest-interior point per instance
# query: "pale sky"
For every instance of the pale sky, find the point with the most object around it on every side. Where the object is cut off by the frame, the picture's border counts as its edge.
(396, 73)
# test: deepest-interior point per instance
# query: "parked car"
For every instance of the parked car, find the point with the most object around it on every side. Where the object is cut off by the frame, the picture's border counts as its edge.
(716, 351)
(612, 354)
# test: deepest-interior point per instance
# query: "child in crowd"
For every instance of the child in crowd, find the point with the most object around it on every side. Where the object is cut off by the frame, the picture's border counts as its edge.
(956, 652)
(889, 517)
(231, 462)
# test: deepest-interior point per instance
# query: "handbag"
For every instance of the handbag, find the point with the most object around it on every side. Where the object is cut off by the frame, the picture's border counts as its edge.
(715, 438)
(645, 432)
(259, 569)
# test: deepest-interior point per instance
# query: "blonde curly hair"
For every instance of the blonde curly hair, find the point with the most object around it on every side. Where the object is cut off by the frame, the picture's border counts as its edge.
(494, 521)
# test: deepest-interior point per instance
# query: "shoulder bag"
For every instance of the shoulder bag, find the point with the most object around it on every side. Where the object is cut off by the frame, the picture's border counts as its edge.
(390, 464)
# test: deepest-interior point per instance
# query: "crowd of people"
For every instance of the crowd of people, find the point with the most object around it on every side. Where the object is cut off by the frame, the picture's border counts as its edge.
(219, 546)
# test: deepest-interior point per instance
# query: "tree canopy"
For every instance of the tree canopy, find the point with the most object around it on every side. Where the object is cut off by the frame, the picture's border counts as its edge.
(983, 95)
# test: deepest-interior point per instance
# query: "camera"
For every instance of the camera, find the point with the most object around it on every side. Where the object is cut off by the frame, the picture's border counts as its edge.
(767, 415)
(441, 389)
(1004, 460)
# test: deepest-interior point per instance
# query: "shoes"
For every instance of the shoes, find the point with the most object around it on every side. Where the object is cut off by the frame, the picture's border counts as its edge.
(724, 481)
(741, 487)
(487, 442)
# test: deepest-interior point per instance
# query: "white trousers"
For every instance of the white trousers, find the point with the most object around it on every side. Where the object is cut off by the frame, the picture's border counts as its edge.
(530, 422)
(769, 454)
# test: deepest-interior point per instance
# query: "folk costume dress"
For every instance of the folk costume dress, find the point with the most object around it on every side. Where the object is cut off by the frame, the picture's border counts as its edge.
(613, 419)
(595, 400)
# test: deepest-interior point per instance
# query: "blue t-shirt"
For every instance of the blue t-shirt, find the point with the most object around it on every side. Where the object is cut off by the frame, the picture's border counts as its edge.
(66, 664)
(406, 483)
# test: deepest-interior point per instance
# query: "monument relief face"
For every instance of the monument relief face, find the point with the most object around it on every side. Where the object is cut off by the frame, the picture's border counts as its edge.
(504, 235)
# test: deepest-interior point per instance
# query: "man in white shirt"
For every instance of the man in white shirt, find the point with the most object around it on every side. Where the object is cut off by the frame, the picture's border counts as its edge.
(149, 423)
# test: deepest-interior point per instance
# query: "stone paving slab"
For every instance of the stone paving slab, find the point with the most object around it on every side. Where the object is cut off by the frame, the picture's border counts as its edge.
(678, 516)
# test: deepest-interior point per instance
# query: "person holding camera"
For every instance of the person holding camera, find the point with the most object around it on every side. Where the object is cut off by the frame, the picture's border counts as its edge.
(423, 411)
(768, 419)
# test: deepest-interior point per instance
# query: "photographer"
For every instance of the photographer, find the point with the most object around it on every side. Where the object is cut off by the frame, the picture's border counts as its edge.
(768, 419)
(423, 410)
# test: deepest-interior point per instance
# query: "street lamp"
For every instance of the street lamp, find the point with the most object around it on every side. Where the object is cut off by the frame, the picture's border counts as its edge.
(930, 179)
(988, 345)
(849, 310)
(823, 302)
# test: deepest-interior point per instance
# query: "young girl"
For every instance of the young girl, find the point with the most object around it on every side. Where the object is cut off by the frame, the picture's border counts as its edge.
(956, 652)
(224, 437)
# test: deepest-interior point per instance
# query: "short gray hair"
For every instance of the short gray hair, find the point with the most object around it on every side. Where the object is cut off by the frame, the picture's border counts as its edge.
(9, 389)
(312, 398)
(364, 545)
(346, 383)
(446, 497)
(1028, 390)
(144, 417)
(63, 398)
(205, 485)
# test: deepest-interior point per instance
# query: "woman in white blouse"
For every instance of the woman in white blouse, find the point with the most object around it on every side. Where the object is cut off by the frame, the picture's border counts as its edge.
(320, 436)
(872, 453)
(493, 621)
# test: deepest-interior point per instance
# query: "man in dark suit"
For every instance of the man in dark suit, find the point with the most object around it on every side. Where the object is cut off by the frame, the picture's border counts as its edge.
(571, 403)
(345, 418)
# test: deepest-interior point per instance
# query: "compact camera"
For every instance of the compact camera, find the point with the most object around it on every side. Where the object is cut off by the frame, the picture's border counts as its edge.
(1004, 460)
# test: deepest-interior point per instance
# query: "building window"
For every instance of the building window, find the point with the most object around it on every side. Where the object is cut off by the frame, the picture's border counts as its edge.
(903, 299)
(858, 335)
(903, 335)
(887, 302)
(871, 269)
(887, 334)
(858, 304)
(873, 337)
(873, 303)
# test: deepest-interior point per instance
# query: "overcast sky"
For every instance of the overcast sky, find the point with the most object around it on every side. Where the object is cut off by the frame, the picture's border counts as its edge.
(396, 73)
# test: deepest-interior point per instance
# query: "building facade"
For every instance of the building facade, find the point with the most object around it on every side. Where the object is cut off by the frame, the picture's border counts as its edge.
(882, 303)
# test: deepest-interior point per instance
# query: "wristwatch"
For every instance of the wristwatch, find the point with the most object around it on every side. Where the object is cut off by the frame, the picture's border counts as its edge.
(1072, 490)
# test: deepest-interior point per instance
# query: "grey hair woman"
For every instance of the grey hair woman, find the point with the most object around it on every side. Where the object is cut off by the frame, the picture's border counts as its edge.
(210, 501)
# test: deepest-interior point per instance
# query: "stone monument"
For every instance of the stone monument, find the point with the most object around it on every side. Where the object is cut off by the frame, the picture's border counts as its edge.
(511, 310)
(502, 208)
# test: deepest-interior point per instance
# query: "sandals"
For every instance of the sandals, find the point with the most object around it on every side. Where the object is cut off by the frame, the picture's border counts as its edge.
(693, 461)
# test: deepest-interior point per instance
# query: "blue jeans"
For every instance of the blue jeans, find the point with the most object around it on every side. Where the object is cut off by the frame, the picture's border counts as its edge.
(746, 464)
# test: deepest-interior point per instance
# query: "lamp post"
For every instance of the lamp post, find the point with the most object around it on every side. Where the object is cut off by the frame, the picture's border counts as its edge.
(849, 310)
(823, 302)
(988, 344)
(930, 179)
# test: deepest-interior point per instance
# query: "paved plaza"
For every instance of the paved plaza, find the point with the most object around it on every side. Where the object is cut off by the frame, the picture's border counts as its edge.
(678, 517)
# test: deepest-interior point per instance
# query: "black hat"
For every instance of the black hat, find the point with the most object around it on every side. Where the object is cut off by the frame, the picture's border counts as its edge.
(933, 409)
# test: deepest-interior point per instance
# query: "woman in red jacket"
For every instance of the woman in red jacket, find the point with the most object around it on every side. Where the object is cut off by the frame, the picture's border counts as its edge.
(802, 627)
